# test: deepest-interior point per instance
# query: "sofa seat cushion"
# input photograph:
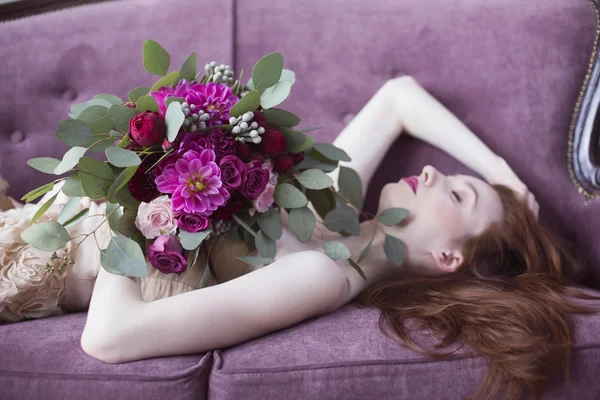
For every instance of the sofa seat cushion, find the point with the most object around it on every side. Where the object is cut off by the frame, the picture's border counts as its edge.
(344, 355)
(42, 359)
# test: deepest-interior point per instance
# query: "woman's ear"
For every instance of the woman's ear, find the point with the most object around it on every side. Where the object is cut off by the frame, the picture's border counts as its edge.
(448, 260)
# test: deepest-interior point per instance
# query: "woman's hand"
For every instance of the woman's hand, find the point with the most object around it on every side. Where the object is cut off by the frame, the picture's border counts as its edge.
(502, 174)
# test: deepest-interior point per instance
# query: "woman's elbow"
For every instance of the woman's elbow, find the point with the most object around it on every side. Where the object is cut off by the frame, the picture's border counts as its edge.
(403, 81)
(99, 346)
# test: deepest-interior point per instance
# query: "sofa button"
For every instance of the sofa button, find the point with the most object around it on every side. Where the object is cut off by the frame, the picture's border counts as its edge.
(17, 136)
(347, 118)
(69, 95)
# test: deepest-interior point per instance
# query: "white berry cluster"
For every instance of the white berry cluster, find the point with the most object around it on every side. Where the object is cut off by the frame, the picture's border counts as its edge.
(220, 73)
(246, 130)
(194, 121)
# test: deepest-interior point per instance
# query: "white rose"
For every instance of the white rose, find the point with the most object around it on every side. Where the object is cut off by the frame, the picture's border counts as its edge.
(39, 302)
(156, 218)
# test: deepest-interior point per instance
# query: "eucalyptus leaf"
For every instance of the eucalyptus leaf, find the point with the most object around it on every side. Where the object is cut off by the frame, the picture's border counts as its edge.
(192, 257)
(249, 240)
(106, 266)
(190, 241)
(188, 69)
(331, 152)
(357, 268)
(72, 186)
(171, 99)
(205, 276)
(37, 192)
(110, 98)
(42, 210)
(392, 216)
(340, 218)
(302, 222)
(156, 58)
(70, 160)
(97, 119)
(336, 250)
(44, 164)
(292, 138)
(77, 218)
(244, 225)
(113, 212)
(265, 245)
(275, 95)
(277, 116)
(100, 145)
(267, 71)
(314, 179)
(122, 158)
(174, 119)
(74, 132)
(288, 75)
(125, 198)
(46, 236)
(314, 128)
(146, 103)
(96, 177)
(363, 254)
(126, 223)
(305, 145)
(322, 200)
(138, 92)
(77, 109)
(68, 210)
(270, 223)
(167, 80)
(235, 235)
(120, 116)
(122, 179)
(256, 260)
(249, 102)
(393, 249)
(125, 255)
(288, 196)
(350, 186)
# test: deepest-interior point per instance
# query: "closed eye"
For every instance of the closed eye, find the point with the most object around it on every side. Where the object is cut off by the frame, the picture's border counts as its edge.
(456, 196)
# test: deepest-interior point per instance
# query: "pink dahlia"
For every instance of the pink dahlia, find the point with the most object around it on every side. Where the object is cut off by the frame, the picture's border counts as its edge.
(215, 99)
(194, 182)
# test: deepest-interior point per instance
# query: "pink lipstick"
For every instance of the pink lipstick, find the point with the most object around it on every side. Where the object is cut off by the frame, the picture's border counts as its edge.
(413, 182)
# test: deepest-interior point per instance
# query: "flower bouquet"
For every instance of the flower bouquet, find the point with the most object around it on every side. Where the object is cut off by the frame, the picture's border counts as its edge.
(195, 156)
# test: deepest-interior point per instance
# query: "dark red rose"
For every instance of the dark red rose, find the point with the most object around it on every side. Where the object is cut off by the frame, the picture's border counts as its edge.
(166, 145)
(272, 143)
(243, 150)
(134, 147)
(141, 185)
(255, 156)
(147, 129)
(259, 118)
(282, 163)
(296, 158)
(255, 181)
(234, 204)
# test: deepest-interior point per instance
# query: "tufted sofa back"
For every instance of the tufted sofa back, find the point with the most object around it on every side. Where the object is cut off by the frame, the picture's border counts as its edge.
(511, 70)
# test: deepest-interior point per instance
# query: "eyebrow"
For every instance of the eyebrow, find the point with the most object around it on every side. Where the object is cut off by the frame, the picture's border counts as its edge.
(470, 185)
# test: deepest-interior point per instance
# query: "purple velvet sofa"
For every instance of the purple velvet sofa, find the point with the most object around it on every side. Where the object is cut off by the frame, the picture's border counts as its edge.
(513, 70)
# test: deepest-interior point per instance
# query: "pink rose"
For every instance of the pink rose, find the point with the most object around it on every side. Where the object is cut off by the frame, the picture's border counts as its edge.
(156, 218)
(166, 255)
(264, 200)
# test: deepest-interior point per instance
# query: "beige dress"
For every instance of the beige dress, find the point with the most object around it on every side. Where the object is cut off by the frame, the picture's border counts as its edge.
(28, 290)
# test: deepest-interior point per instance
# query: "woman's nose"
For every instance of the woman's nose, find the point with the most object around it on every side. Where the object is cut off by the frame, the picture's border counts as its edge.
(429, 175)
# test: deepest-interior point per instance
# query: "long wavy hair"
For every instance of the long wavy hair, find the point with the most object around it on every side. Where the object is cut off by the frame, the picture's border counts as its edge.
(507, 302)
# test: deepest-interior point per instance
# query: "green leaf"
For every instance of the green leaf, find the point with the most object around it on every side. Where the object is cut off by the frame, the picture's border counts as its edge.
(125, 198)
(138, 92)
(292, 138)
(277, 116)
(350, 186)
(256, 260)
(302, 223)
(77, 218)
(205, 276)
(314, 128)
(342, 218)
(44, 164)
(96, 117)
(96, 177)
(288, 196)
(120, 116)
(125, 255)
(275, 95)
(146, 103)
(336, 250)
(192, 257)
(122, 179)
(190, 241)
(72, 186)
(267, 71)
(310, 162)
(167, 80)
(288, 75)
(322, 200)
(74, 132)
(77, 109)
(126, 223)
(392, 216)
(70, 159)
(46, 236)
(357, 268)
(37, 192)
(122, 158)
(307, 144)
(331, 152)
(270, 223)
(171, 99)
(113, 212)
(110, 98)
(68, 210)
(249, 102)
(156, 58)
(394, 249)
(42, 210)
(363, 254)
(174, 119)
(265, 245)
(235, 235)
(188, 69)
(314, 179)
(100, 145)
(244, 225)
